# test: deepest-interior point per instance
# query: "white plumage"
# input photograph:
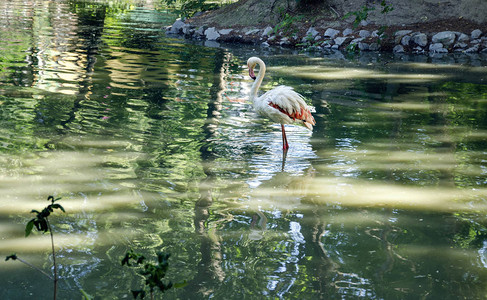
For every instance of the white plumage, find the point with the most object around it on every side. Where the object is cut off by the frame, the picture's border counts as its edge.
(281, 104)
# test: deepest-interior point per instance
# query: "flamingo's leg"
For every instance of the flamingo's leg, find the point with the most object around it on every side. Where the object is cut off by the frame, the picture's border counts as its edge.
(285, 145)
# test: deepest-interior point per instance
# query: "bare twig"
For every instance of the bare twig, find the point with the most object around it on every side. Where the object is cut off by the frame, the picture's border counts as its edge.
(333, 10)
(33, 267)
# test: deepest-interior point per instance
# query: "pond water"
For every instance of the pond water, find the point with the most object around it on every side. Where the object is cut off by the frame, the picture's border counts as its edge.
(151, 143)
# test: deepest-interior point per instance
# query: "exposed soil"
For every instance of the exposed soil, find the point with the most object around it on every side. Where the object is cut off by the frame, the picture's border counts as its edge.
(423, 17)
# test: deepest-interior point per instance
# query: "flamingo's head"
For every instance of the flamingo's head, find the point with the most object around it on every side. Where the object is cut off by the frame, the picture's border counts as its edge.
(251, 63)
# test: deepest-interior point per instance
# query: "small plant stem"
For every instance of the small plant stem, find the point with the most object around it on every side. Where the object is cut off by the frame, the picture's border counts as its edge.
(53, 259)
(34, 267)
(332, 9)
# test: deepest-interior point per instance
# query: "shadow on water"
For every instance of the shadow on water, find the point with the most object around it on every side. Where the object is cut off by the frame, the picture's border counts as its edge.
(209, 266)
(151, 143)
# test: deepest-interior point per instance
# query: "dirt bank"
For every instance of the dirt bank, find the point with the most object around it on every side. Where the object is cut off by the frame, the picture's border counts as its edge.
(257, 13)
(419, 26)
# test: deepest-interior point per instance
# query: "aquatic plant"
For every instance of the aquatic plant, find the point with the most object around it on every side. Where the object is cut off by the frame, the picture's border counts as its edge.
(41, 223)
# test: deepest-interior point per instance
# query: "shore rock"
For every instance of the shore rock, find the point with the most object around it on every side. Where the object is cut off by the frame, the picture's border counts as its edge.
(374, 47)
(312, 32)
(177, 27)
(331, 33)
(212, 34)
(224, 31)
(445, 37)
(475, 34)
(267, 31)
(187, 30)
(330, 38)
(284, 42)
(200, 32)
(398, 49)
(340, 40)
(462, 38)
(437, 48)
(364, 33)
(460, 47)
(252, 31)
(405, 40)
(347, 32)
(363, 46)
(473, 49)
(399, 34)
(418, 50)
(420, 39)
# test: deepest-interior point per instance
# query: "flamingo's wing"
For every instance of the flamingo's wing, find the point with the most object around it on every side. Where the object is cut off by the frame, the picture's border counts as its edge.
(290, 103)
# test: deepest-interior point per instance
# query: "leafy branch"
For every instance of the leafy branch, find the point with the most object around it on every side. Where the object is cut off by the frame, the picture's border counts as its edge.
(288, 23)
(41, 223)
(363, 13)
(309, 43)
(187, 8)
(360, 15)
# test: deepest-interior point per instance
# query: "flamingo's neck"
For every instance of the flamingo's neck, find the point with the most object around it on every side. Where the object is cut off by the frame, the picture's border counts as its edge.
(257, 82)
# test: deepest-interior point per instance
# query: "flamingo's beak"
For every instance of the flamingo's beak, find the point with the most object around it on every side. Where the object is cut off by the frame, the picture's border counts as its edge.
(251, 73)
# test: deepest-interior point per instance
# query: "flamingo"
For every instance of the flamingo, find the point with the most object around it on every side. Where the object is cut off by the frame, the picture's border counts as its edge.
(281, 104)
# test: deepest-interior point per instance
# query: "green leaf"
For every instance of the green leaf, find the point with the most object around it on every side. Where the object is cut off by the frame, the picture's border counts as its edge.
(28, 227)
(86, 296)
(58, 206)
(349, 14)
(11, 256)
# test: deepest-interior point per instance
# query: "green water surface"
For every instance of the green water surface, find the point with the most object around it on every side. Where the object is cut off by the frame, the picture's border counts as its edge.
(152, 144)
